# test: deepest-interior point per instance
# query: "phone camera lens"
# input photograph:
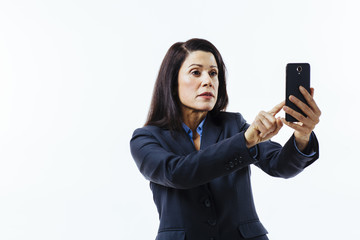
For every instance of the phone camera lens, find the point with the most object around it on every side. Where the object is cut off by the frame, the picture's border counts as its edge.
(299, 69)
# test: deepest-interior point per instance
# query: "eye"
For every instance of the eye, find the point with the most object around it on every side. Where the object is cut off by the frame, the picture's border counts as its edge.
(213, 73)
(196, 73)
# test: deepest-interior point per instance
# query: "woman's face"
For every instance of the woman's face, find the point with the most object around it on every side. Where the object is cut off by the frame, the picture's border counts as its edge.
(198, 82)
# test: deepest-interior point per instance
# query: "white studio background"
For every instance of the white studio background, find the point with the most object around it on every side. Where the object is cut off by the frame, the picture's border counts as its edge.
(76, 79)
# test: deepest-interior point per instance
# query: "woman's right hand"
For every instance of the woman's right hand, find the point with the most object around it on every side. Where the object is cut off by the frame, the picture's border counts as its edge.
(264, 127)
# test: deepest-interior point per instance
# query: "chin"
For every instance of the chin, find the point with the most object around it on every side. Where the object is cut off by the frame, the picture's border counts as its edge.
(206, 108)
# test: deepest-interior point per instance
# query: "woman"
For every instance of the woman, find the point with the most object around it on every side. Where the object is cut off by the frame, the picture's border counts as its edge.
(197, 157)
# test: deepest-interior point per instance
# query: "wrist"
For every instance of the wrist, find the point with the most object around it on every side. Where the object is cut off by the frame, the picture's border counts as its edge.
(249, 143)
(302, 140)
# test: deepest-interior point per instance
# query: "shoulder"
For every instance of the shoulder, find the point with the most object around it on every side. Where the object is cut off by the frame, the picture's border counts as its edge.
(144, 136)
(152, 137)
(148, 131)
(156, 133)
(230, 118)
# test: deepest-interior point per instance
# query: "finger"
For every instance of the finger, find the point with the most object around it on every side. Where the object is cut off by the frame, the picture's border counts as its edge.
(259, 126)
(310, 100)
(295, 126)
(312, 92)
(277, 108)
(305, 108)
(279, 125)
(268, 121)
(263, 130)
(297, 115)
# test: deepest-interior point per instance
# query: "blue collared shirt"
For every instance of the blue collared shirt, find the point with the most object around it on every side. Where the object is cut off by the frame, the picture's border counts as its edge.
(254, 150)
(199, 130)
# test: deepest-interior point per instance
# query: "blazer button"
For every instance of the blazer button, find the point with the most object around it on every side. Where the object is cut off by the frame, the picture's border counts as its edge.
(212, 222)
(207, 203)
(231, 164)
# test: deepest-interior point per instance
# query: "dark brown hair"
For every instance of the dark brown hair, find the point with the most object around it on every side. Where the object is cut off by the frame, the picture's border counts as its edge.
(165, 108)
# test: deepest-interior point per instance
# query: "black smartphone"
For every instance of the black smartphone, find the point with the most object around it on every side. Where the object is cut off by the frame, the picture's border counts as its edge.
(297, 74)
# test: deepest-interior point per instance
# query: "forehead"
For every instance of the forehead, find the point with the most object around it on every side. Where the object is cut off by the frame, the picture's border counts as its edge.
(206, 59)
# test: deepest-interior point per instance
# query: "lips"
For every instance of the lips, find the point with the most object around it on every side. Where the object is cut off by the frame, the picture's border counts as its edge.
(206, 94)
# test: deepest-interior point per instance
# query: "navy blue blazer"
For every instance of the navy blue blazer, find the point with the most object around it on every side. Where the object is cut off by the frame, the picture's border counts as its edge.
(206, 194)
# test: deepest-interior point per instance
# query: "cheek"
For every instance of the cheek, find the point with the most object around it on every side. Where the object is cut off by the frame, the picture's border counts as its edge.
(187, 84)
(185, 88)
(217, 87)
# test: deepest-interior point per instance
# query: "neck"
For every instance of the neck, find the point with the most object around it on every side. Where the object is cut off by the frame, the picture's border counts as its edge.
(193, 118)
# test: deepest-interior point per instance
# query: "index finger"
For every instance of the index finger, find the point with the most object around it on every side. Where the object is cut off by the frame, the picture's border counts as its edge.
(309, 98)
(277, 108)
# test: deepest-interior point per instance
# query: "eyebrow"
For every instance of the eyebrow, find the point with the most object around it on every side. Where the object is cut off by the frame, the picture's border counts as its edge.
(199, 65)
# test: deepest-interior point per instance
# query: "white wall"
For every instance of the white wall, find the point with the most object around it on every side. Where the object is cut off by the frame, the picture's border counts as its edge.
(76, 79)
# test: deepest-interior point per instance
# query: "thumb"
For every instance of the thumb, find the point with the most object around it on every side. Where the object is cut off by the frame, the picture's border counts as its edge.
(312, 90)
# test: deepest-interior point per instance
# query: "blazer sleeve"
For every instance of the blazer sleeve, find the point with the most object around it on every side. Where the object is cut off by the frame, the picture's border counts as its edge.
(166, 168)
(286, 161)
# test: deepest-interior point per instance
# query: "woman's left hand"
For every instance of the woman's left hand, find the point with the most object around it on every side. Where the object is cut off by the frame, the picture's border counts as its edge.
(306, 125)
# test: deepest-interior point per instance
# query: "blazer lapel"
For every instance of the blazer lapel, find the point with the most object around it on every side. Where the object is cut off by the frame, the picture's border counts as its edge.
(180, 142)
(211, 132)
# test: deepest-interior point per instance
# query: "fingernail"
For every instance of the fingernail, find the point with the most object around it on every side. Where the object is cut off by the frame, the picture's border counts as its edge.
(301, 88)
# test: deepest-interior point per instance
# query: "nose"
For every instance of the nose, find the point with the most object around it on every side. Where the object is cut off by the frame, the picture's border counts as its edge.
(207, 81)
